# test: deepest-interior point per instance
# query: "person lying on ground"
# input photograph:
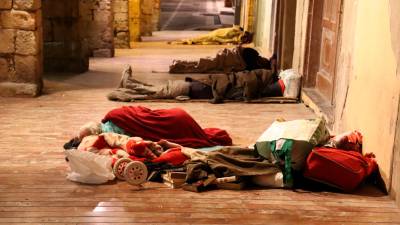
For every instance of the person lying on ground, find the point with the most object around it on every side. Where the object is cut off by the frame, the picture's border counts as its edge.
(227, 60)
(246, 85)
(122, 146)
(174, 125)
(230, 35)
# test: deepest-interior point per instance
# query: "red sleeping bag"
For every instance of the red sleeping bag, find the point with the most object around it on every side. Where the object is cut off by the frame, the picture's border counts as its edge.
(338, 168)
(174, 125)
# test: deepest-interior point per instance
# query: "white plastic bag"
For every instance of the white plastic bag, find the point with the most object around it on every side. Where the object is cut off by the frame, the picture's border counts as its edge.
(292, 80)
(88, 167)
(313, 131)
(269, 180)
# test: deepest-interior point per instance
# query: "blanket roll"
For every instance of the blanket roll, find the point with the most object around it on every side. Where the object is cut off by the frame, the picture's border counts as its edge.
(174, 125)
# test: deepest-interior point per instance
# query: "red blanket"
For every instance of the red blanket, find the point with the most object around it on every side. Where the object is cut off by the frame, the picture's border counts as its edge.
(174, 125)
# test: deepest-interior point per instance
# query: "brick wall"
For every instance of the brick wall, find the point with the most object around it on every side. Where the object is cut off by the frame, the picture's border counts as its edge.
(20, 47)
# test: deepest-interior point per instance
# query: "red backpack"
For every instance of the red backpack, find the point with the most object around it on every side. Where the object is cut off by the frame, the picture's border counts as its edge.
(339, 168)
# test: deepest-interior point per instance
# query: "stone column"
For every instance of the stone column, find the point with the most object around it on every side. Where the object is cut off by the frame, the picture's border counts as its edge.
(147, 17)
(20, 47)
(121, 23)
(97, 21)
(134, 20)
(250, 15)
(156, 15)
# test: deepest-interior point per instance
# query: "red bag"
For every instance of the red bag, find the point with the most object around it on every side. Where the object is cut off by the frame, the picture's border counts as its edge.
(338, 168)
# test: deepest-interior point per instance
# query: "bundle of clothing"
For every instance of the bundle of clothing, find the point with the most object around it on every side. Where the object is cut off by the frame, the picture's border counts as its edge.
(230, 35)
(286, 155)
(226, 60)
(122, 146)
(138, 134)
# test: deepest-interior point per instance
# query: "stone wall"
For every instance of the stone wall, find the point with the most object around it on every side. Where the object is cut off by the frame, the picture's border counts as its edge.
(156, 15)
(20, 47)
(143, 18)
(97, 26)
(121, 23)
(146, 25)
(65, 49)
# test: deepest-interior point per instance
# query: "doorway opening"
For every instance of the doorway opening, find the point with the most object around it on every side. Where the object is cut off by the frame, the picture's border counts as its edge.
(321, 50)
(182, 19)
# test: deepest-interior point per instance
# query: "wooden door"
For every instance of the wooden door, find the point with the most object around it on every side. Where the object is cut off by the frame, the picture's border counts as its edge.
(326, 71)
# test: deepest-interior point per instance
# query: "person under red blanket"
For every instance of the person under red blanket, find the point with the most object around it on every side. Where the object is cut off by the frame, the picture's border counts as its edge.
(121, 146)
(174, 125)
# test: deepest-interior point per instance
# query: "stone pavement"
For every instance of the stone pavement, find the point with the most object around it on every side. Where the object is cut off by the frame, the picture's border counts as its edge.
(37, 127)
(33, 188)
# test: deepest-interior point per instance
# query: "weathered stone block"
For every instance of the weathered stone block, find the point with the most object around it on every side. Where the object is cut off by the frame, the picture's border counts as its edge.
(27, 42)
(105, 53)
(121, 17)
(122, 35)
(5, 4)
(103, 16)
(120, 6)
(27, 68)
(120, 27)
(6, 69)
(108, 35)
(147, 6)
(8, 89)
(16, 19)
(29, 5)
(104, 4)
(7, 38)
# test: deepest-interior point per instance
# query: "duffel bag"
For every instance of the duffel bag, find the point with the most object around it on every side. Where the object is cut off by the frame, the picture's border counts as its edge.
(342, 169)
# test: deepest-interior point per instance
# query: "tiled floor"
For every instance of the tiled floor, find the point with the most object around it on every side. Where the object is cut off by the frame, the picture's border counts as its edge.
(34, 190)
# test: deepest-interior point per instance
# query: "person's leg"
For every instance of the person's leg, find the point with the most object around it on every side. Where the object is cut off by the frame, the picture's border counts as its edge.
(127, 79)
(172, 89)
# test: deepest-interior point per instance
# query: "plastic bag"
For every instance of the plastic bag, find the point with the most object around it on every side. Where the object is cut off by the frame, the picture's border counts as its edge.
(313, 131)
(301, 135)
(90, 168)
(292, 80)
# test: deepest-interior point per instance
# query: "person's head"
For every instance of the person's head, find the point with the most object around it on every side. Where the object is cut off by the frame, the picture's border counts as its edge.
(247, 37)
(250, 57)
(90, 128)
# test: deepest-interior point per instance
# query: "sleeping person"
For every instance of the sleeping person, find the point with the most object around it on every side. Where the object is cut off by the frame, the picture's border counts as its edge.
(245, 85)
(226, 60)
(174, 125)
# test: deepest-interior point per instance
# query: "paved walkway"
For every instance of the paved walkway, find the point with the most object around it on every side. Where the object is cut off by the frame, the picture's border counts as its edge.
(33, 188)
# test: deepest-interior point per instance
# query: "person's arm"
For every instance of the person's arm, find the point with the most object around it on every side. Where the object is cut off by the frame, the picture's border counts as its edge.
(166, 144)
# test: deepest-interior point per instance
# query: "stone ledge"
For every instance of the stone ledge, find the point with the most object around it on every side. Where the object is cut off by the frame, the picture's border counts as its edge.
(314, 100)
(10, 89)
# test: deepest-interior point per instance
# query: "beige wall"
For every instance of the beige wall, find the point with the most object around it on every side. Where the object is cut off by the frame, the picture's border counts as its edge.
(395, 32)
(367, 87)
(373, 87)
